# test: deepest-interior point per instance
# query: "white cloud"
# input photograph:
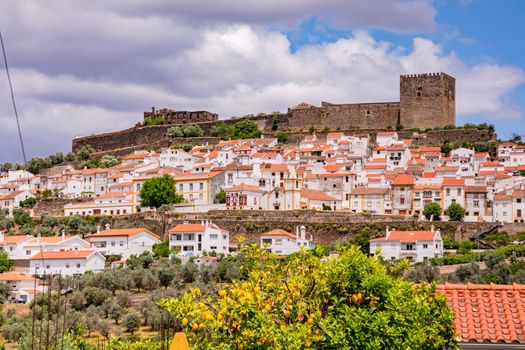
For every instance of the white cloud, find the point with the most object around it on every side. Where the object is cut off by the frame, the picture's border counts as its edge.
(96, 69)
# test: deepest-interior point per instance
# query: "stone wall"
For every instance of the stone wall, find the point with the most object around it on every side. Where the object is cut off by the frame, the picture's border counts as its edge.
(181, 117)
(326, 227)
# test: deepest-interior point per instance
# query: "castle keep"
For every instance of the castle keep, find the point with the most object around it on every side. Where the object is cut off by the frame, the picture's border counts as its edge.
(180, 117)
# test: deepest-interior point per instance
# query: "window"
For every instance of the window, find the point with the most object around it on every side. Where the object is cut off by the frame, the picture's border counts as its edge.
(518, 200)
(121, 243)
(201, 186)
(459, 191)
(402, 200)
(224, 236)
(276, 195)
(368, 113)
(437, 245)
(78, 266)
(418, 94)
(214, 236)
(425, 246)
(28, 252)
(201, 196)
(181, 187)
(112, 243)
(67, 266)
(47, 266)
(230, 178)
(213, 247)
(278, 241)
(476, 204)
(191, 187)
(447, 191)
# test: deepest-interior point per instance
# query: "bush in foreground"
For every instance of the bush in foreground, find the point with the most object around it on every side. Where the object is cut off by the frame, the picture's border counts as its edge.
(306, 301)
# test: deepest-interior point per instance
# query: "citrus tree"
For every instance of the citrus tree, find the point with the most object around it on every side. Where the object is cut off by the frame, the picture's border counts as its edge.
(345, 301)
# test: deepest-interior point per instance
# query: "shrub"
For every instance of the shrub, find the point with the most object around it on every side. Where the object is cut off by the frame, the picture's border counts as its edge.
(432, 210)
(282, 137)
(455, 212)
(304, 302)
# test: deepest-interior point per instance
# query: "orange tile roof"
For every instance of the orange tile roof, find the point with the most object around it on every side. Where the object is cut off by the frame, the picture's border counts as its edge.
(408, 236)
(362, 190)
(121, 232)
(15, 239)
(113, 194)
(386, 133)
(188, 228)
(375, 166)
(70, 254)
(244, 187)
(334, 134)
(453, 182)
(403, 179)
(13, 276)
(487, 313)
(279, 232)
(332, 168)
(447, 168)
(428, 175)
(316, 195)
(475, 189)
(428, 187)
(135, 156)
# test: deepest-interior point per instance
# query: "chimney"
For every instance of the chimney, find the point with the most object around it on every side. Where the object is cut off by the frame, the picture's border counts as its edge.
(63, 235)
(202, 222)
(98, 228)
(387, 231)
(107, 226)
(432, 228)
(38, 238)
(297, 232)
(303, 232)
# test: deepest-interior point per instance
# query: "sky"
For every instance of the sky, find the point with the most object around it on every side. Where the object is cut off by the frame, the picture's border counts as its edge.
(87, 67)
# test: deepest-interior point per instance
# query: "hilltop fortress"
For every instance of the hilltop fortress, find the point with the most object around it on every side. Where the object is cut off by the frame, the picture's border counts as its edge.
(426, 101)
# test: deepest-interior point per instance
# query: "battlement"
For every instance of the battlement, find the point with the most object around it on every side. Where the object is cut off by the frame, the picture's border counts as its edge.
(425, 75)
(171, 116)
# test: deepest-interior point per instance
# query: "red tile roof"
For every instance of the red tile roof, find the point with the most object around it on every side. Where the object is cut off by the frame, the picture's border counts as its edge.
(279, 232)
(487, 313)
(188, 228)
(127, 232)
(71, 254)
(245, 187)
(405, 180)
(315, 195)
(408, 236)
(453, 182)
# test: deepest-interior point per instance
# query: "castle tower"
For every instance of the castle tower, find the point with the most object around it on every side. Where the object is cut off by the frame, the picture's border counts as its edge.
(427, 100)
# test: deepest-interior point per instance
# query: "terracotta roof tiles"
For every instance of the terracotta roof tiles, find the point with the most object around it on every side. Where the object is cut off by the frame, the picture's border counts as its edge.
(487, 313)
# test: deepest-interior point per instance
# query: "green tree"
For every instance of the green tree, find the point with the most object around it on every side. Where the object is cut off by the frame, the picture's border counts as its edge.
(28, 203)
(70, 157)
(446, 147)
(455, 212)
(346, 302)
(282, 137)
(275, 123)
(162, 249)
(57, 158)
(432, 210)
(142, 261)
(6, 167)
(132, 322)
(36, 164)
(5, 262)
(116, 312)
(222, 130)
(158, 191)
(108, 161)
(246, 129)
(22, 217)
(187, 147)
(220, 197)
(85, 152)
(47, 194)
(175, 131)
(192, 131)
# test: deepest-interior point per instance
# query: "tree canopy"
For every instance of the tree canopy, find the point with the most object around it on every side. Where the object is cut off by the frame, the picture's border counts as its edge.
(158, 191)
(455, 212)
(306, 301)
(432, 210)
(5, 262)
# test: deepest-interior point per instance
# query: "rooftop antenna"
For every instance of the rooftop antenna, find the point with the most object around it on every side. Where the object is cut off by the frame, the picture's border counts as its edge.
(13, 98)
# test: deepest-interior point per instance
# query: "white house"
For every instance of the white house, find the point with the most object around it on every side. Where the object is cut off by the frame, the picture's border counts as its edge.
(22, 286)
(417, 246)
(195, 239)
(123, 242)
(12, 200)
(27, 249)
(244, 197)
(112, 203)
(66, 263)
(283, 243)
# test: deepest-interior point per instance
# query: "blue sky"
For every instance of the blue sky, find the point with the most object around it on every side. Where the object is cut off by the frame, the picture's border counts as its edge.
(477, 30)
(117, 59)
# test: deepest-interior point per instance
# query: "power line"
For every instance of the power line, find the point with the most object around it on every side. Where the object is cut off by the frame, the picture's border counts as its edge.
(13, 98)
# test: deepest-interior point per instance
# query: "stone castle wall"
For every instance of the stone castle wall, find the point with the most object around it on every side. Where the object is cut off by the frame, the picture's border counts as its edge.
(181, 117)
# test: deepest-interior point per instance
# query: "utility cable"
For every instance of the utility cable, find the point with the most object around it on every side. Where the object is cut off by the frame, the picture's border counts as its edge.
(13, 98)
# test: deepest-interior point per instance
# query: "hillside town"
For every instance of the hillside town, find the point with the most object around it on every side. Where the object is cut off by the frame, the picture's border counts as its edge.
(339, 173)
